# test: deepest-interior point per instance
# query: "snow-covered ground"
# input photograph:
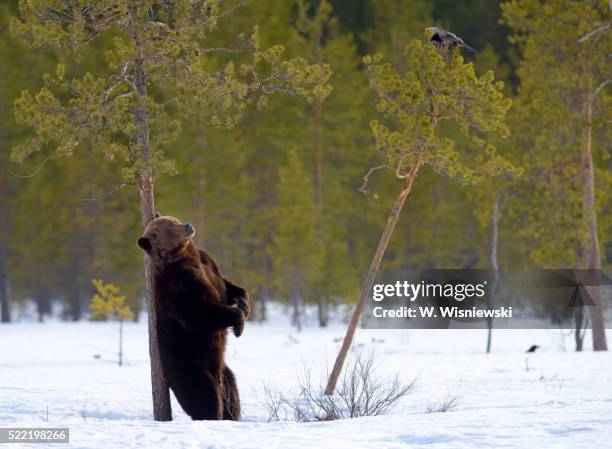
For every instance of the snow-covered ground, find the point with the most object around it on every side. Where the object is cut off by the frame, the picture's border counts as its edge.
(63, 374)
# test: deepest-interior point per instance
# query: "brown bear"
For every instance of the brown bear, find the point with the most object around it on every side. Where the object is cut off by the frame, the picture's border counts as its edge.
(195, 305)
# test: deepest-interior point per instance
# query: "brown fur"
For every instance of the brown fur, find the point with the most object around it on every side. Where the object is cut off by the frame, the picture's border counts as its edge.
(195, 305)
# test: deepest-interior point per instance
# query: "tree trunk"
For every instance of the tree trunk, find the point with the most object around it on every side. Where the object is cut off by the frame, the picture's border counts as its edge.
(262, 300)
(136, 313)
(200, 187)
(120, 342)
(495, 266)
(264, 290)
(296, 318)
(5, 310)
(43, 303)
(5, 305)
(75, 309)
(161, 395)
(322, 309)
(75, 304)
(591, 244)
(318, 198)
(578, 331)
(369, 281)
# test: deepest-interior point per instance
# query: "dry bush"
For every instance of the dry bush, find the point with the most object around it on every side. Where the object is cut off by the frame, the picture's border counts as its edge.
(443, 405)
(360, 392)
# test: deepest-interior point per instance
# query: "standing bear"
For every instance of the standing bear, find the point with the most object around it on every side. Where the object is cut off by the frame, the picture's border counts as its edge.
(195, 305)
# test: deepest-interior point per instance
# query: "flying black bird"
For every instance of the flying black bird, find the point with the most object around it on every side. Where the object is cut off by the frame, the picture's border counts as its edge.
(534, 348)
(445, 39)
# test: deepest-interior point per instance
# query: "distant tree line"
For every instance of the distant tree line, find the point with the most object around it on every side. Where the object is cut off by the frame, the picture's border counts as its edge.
(276, 198)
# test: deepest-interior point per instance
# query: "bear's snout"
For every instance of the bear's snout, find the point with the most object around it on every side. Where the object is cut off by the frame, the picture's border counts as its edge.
(189, 230)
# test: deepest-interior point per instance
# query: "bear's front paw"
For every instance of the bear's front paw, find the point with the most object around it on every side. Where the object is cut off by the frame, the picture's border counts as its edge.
(238, 325)
(244, 304)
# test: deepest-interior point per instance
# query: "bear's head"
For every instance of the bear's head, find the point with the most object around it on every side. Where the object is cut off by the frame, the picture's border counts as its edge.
(166, 239)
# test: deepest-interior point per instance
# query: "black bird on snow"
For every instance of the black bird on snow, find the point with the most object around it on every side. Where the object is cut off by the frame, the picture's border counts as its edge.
(445, 39)
(534, 348)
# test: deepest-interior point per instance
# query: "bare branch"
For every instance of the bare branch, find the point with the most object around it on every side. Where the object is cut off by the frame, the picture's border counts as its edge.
(35, 172)
(171, 100)
(595, 31)
(227, 49)
(601, 86)
(229, 11)
(398, 169)
(110, 192)
(120, 79)
(364, 186)
(161, 25)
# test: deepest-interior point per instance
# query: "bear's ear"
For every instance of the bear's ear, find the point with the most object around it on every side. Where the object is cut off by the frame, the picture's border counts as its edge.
(144, 243)
(156, 215)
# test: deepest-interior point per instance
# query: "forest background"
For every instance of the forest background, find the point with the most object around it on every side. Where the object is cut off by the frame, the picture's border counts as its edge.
(276, 198)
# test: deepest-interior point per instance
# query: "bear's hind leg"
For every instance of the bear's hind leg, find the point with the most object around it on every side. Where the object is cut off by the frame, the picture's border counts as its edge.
(199, 393)
(231, 399)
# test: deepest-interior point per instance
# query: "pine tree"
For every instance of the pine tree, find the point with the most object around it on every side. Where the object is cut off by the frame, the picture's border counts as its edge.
(563, 110)
(232, 175)
(107, 304)
(412, 106)
(33, 230)
(336, 143)
(295, 252)
(18, 63)
(157, 76)
(433, 240)
(5, 316)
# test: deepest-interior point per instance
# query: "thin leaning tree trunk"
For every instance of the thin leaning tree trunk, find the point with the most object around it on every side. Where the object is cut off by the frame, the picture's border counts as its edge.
(161, 395)
(369, 281)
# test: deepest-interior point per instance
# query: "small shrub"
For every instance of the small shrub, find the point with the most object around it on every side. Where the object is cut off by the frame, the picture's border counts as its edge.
(443, 405)
(360, 392)
(108, 303)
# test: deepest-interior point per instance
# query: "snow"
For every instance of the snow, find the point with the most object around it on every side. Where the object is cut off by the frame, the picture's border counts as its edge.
(64, 374)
